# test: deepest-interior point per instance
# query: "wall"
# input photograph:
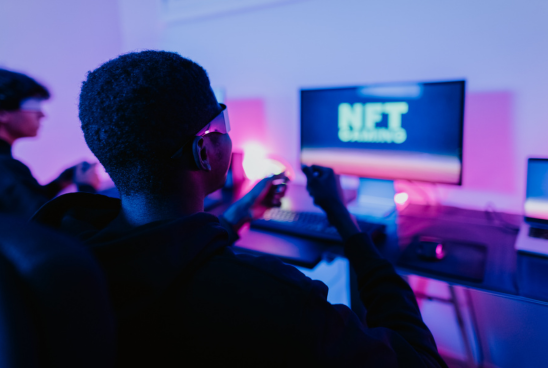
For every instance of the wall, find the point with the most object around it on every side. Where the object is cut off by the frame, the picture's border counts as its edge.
(496, 45)
(57, 42)
(267, 53)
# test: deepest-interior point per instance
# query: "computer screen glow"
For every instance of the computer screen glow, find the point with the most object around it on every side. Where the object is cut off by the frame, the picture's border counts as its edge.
(392, 131)
(536, 201)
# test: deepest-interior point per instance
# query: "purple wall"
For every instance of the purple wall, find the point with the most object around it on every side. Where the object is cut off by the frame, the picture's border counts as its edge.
(270, 53)
(57, 42)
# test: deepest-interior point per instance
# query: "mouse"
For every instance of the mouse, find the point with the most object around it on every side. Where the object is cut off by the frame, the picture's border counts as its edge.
(431, 249)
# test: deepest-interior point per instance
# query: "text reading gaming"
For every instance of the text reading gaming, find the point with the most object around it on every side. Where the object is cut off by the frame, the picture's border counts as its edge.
(358, 122)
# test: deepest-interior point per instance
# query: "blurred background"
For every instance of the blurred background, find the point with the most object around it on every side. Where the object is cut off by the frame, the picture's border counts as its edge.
(259, 53)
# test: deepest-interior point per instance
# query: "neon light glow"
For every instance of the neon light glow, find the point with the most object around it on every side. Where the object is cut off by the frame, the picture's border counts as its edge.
(401, 198)
(536, 208)
(439, 251)
(386, 164)
(258, 164)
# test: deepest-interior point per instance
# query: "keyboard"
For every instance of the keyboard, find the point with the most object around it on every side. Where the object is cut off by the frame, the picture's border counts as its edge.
(312, 225)
(537, 232)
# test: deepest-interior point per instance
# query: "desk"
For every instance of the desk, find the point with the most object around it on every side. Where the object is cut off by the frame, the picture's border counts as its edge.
(508, 274)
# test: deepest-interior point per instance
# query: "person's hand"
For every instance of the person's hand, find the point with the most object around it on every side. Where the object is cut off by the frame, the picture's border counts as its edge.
(266, 194)
(86, 174)
(323, 186)
(325, 189)
(66, 178)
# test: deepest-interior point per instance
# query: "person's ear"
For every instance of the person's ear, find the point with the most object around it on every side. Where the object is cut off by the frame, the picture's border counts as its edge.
(200, 154)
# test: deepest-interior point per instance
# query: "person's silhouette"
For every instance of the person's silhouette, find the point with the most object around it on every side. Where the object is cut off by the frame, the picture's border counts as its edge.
(180, 293)
(20, 116)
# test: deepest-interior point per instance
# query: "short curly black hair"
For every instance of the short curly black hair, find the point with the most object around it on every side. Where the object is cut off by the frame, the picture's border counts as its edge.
(15, 87)
(138, 109)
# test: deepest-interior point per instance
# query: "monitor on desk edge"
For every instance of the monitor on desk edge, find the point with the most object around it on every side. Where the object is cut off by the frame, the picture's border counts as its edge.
(536, 197)
(411, 131)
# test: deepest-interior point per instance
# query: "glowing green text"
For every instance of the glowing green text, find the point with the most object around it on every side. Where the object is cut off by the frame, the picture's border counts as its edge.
(357, 122)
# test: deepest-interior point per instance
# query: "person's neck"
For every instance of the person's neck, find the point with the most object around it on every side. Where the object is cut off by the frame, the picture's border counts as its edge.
(139, 210)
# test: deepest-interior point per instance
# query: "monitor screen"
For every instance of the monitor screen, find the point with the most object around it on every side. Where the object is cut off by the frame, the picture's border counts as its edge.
(409, 131)
(536, 198)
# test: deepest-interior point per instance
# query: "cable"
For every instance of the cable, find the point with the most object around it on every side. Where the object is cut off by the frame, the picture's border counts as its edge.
(430, 203)
(494, 216)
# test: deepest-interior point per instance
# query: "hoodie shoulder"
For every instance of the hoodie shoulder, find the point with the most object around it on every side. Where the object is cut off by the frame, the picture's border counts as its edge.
(269, 269)
(53, 212)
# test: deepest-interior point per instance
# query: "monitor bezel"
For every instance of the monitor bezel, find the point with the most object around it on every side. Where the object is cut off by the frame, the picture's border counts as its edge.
(532, 220)
(461, 119)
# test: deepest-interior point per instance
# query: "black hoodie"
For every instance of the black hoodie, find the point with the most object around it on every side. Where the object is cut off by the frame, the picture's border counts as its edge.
(20, 193)
(182, 297)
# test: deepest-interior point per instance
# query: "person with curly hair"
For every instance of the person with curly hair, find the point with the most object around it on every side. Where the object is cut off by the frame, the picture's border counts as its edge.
(181, 295)
(20, 116)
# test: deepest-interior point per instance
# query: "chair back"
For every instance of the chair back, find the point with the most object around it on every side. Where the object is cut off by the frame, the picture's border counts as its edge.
(54, 306)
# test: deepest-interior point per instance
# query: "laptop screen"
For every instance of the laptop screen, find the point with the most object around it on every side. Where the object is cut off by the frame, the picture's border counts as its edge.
(536, 201)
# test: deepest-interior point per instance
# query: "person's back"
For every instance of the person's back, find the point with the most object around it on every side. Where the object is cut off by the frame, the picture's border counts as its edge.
(181, 295)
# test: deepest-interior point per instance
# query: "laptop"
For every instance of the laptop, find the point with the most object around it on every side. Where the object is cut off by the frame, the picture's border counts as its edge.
(533, 233)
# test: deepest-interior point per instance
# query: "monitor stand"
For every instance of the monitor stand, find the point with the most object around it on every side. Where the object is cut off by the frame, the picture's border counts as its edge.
(375, 198)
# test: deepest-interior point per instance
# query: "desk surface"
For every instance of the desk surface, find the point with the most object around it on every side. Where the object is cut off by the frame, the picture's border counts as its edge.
(507, 273)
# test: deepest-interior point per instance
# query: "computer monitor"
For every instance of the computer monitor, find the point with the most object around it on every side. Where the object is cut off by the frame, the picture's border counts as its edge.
(536, 197)
(411, 131)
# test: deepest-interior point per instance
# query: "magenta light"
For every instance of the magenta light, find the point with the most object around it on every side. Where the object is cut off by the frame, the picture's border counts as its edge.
(439, 251)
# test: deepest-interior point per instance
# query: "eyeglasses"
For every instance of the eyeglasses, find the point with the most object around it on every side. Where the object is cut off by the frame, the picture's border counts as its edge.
(219, 124)
(31, 104)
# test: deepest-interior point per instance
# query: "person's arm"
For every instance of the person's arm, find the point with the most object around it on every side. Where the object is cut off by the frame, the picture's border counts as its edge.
(61, 182)
(394, 323)
(84, 175)
(388, 299)
(395, 335)
(265, 194)
(22, 195)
